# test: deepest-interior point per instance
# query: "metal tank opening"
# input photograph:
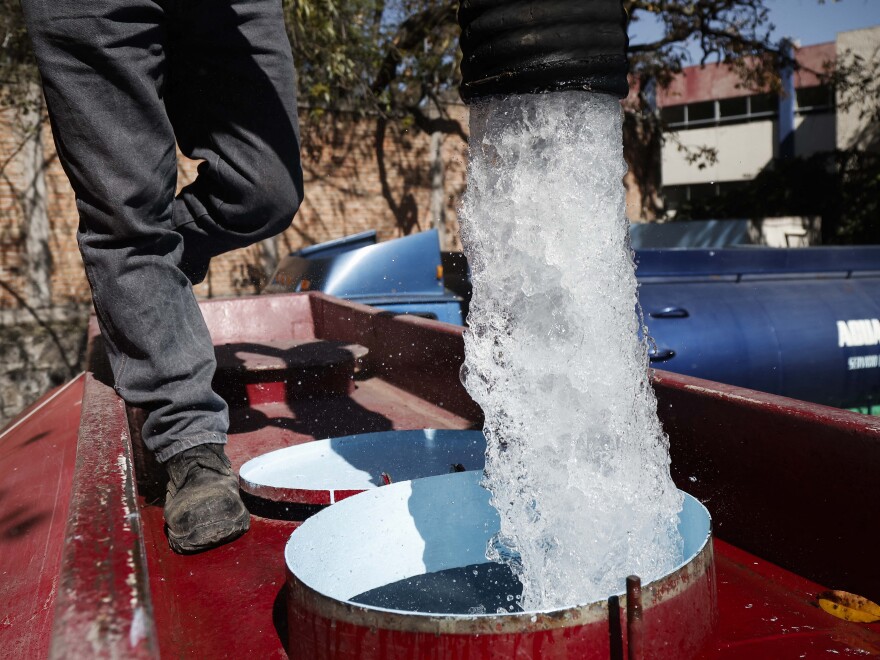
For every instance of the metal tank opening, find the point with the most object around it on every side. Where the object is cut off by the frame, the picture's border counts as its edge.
(403, 568)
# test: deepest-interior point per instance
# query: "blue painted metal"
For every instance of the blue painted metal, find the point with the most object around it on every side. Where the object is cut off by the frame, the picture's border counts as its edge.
(778, 336)
(787, 103)
(734, 264)
(689, 234)
(762, 318)
(402, 276)
(338, 246)
(766, 318)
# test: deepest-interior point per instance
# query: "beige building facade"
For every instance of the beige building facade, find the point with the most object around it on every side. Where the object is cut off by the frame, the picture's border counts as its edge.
(708, 109)
(852, 129)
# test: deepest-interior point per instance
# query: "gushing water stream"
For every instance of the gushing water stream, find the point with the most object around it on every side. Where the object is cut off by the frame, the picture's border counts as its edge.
(577, 462)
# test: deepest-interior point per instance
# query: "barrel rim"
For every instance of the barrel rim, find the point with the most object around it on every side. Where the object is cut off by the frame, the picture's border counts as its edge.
(654, 593)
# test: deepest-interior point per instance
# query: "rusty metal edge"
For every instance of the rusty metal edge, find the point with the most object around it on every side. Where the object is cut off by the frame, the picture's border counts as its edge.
(659, 591)
(322, 497)
(829, 417)
(103, 608)
(653, 594)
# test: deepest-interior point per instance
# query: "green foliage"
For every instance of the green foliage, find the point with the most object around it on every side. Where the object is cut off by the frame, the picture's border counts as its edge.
(333, 47)
(737, 32)
(372, 55)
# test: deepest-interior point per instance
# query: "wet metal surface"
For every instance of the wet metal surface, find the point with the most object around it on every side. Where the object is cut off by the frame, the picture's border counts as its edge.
(740, 447)
(103, 606)
(634, 626)
(37, 456)
(765, 465)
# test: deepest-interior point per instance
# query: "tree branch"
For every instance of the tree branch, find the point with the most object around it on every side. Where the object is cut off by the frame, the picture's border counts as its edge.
(440, 124)
(411, 33)
(52, 334)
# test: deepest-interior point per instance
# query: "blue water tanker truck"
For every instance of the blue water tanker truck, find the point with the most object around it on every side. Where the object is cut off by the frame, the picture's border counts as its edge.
(800, 322)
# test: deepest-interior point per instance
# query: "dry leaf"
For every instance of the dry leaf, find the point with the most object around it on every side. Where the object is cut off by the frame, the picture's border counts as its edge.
(849, 607)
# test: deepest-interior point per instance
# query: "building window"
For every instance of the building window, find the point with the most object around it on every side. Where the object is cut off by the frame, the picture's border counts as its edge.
(814, 99)
(733, 109)
(725, 111)
(701, 112)
(763, 105)
(673, 115)
(700, 191)
(677, 196)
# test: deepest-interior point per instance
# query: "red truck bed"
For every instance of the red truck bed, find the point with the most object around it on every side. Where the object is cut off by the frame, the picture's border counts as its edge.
(791, 487)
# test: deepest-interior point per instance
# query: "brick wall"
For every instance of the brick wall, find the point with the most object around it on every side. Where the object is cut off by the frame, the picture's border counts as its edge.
(359, 175)
(11, 252)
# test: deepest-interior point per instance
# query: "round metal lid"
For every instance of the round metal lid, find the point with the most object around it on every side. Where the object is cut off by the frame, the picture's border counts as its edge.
(326, 471)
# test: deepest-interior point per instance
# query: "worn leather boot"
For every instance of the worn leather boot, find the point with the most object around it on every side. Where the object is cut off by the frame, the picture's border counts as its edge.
(202, 506)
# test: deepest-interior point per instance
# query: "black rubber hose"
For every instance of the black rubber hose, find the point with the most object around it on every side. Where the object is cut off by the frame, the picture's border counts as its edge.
(531, 46)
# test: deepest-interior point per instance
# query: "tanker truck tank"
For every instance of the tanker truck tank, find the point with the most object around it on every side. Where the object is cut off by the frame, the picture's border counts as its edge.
(801, 322)
(798, 322)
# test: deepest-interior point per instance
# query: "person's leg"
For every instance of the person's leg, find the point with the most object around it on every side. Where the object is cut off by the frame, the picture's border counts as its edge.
(231, 97)
(103, 67)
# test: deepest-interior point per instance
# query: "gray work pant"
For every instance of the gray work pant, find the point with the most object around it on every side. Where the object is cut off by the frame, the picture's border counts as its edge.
(123, 80)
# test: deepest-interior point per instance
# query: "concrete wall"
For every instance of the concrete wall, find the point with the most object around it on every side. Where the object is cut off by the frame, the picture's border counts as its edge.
(853, 130)
(743, 151)
(357, 178)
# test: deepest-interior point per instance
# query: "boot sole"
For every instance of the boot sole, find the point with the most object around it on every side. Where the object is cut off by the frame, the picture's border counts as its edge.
(209, 536)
